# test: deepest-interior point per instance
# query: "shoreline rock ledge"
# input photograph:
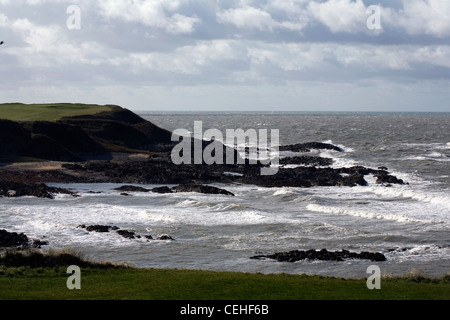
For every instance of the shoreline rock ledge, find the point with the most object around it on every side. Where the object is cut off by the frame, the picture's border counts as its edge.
(324, 254)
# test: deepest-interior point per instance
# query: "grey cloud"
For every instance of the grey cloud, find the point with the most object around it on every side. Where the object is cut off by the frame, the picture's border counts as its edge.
(235, 44)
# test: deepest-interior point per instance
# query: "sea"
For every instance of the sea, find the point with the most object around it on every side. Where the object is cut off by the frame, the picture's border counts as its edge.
(409, 224)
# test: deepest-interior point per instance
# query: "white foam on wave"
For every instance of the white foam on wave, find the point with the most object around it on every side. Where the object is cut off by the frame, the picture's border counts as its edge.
(420, 252)
(208, 218)
(363, 214)
(343, 147)
(339, 160)
(283, 191)
(417, 195)
(428, 157)
(430, 151)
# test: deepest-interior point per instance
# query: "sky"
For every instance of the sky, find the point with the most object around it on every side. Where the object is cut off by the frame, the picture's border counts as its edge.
(237, 55)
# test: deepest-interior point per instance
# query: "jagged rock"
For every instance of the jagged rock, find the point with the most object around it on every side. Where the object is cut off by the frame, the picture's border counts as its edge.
(385, 177)
(12, 239)
(165, 237)
(127, 234)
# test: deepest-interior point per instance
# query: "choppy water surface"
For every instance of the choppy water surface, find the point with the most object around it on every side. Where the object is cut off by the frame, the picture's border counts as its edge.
(410, 224)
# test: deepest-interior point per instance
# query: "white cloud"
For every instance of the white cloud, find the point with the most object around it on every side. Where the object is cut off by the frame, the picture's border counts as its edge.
(50, 46)
(155, 13)
(3, 20)
(429, 17)
(201, 45)
(191, 60)
(340, 15)
(369, 58)
(247, 17)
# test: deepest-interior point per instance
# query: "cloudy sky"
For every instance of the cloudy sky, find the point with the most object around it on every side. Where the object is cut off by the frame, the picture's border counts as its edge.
(253, 55)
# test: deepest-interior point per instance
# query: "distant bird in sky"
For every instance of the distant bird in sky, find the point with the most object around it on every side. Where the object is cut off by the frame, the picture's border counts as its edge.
(1, 42)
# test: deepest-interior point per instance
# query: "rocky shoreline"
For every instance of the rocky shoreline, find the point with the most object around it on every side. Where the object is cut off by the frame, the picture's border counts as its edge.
(19, 241)
(308, 171)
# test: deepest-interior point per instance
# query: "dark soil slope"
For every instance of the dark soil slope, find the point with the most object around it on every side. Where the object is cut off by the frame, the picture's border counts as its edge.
(148, 133)
(14, 139)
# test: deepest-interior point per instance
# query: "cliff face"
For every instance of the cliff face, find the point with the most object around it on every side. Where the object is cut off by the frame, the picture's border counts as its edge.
(81, 137)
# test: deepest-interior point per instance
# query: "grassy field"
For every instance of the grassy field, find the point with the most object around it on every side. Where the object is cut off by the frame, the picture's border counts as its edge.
(47, 112)
(150, 284)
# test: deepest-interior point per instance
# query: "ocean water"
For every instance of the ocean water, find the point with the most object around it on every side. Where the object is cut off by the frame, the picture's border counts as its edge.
(410, 224)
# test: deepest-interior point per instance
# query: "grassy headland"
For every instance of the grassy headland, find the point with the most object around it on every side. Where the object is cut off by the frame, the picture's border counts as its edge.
(47, 112)
(73, 132)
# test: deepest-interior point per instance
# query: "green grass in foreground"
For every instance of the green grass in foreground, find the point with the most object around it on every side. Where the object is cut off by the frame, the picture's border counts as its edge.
(150, 284)
(47, 112)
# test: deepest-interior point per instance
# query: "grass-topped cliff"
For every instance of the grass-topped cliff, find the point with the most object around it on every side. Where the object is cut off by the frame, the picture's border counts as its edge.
(47, 112)
(73, 132)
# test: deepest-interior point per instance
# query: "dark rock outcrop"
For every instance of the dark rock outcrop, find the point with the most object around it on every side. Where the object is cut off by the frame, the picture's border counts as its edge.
(155, 171)
(132, 189)
(98, 228)
(201, 189)
(19, 240)
(306, 147)
(165, 237)
(181, 188)
(383, 177)
(307, 160)
(162, 190)
(18, 189)
(127, 234)
(324, 254)
(12, 239)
